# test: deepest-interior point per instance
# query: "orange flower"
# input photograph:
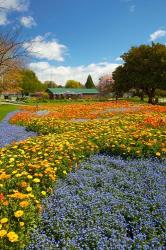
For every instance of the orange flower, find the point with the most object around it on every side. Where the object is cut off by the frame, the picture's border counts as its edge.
(18, 195)
(24, 184)
(4, 176)
(24, 204)
(5, 203)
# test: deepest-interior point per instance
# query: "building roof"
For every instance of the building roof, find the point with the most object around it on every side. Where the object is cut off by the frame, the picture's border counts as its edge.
(72, 91)
(10, 92)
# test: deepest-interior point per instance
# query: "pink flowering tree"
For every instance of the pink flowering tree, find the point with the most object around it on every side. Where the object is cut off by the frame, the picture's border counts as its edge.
(105, 85)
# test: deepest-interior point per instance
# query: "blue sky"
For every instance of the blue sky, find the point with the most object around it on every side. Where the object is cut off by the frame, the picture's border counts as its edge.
(72, 38)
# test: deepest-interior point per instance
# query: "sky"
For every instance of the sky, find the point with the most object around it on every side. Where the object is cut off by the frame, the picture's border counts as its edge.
(69, 39)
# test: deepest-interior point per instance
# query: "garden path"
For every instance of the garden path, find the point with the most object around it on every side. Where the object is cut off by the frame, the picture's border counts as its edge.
(12, 133)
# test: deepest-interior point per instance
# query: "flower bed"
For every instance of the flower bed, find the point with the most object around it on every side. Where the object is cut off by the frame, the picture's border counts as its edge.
(85, 111)
(108, 202)
(30, 169)
(136, 134)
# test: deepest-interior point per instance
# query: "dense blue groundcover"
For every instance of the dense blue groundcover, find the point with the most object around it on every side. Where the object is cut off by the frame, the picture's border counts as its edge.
(110, 203)
(11, 133)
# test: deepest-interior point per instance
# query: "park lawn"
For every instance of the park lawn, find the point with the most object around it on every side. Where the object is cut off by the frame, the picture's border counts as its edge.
(6, 108)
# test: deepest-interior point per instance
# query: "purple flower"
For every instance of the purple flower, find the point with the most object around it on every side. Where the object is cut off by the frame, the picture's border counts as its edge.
(109, 203)
(12, 133)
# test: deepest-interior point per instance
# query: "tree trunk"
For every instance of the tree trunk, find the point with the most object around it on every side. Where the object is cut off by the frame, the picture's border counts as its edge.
(150, 100)
(151, 94)
(142, 96)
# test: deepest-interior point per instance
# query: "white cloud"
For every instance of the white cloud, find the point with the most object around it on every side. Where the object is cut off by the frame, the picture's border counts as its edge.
(27, 21)
(3, 18)
(132, 8)
(15, 5)
(118, 59)
(7, 6)
(60, 74)
(157, 34)
(41, 48)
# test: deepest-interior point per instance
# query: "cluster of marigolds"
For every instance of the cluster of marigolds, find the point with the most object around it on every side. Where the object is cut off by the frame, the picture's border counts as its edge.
(67, 135)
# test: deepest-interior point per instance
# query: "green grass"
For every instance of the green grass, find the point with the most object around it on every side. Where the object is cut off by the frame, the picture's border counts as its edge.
(137, 99)
(6, 108)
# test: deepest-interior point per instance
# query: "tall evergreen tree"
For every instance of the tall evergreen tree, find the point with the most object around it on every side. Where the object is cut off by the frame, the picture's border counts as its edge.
(89, 83)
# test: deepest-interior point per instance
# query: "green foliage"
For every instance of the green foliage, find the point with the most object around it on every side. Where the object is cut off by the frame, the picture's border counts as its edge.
(144, 68)
(121, 80)
(49, 84)
(6, 108)
(73, 84)
(30, 82)
(160, 92)
(89, 83)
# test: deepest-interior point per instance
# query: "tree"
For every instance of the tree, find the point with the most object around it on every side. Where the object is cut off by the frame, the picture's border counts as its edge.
(12, 51)
(105, 85)
(144, 69)
(89, 83)
(49, 84)
(11, 81)
(30, 82)
(73, 84)
(121, 81)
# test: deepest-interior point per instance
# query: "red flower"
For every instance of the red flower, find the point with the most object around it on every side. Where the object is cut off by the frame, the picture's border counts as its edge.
(2, 196)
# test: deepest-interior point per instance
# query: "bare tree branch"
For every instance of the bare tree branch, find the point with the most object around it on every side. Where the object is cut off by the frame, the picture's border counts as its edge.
(12, 50)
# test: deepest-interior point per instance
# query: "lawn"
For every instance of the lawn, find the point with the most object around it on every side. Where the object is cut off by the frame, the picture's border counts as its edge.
(30, 170)
(6, 108)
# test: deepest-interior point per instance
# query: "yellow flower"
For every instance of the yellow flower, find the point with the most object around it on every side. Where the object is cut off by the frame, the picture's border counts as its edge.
(31, 195)
(29, 176)
(11, 160)
(36, 180)
(158, 154)
(4, 220)
(21, 223)
(2, 233)
(14, 172)
(12, 236)
(64, 172)
(18, 213)
(18, 175)
(43, 193)
(28, 189)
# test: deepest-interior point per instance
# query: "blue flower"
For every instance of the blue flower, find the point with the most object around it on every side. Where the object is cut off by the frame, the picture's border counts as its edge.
(109, 203)
(12, 133)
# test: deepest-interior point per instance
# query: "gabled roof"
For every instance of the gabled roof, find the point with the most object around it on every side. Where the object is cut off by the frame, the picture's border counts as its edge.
(72, 91)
